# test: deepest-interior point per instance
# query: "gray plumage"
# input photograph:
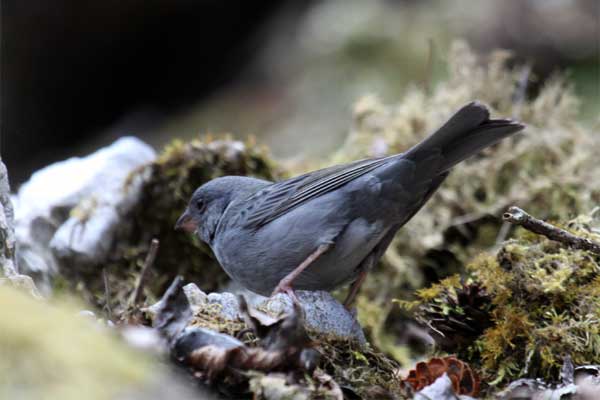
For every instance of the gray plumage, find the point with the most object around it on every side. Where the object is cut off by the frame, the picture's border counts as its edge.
(261, 231)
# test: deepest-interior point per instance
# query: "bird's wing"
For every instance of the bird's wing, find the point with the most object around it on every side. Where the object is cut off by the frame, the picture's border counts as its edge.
(279, 198)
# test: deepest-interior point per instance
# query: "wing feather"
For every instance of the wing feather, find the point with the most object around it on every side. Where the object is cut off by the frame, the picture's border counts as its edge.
(281, 197)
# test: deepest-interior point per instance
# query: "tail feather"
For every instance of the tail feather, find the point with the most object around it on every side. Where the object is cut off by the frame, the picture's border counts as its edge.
(466, 133)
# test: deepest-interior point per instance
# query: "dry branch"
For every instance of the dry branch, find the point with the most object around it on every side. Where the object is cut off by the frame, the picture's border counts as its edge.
(517, 216)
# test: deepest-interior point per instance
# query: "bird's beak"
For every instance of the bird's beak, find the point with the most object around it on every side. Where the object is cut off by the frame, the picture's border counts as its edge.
(186, 223)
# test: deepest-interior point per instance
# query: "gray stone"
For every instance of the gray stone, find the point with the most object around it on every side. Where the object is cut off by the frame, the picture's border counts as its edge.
(7, 230)
(196, 297)
(8, 246)
(230, 308)
(67, 213)
(323, 314)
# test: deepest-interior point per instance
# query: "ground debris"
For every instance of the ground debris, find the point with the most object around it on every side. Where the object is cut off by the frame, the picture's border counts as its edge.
(284, 345)
(243, 355)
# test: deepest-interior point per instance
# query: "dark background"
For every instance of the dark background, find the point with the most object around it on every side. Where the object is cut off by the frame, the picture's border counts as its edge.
(77, 74)
(71, 68)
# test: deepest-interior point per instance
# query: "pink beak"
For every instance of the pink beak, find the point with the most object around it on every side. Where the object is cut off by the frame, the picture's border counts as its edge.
(186, 223)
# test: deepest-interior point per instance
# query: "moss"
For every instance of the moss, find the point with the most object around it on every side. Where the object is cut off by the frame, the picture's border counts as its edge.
(209, 316)
(550, 169)
(48, 352)
(545, 305)
(364, 371)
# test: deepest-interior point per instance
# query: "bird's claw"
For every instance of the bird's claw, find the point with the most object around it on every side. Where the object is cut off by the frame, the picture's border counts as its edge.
(286, 288)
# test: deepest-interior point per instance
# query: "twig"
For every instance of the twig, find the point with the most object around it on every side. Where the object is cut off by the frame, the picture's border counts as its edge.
(516, 216)
(139, 287)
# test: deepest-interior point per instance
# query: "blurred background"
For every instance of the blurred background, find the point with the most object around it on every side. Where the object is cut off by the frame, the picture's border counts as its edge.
(78, 74)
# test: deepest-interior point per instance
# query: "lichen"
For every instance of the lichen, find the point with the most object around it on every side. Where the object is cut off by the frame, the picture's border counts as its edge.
(544, 306)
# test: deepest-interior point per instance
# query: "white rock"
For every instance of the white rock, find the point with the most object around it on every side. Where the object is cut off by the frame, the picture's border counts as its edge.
(143, 338)
(441, 389)
(196, 297)
(96, 185)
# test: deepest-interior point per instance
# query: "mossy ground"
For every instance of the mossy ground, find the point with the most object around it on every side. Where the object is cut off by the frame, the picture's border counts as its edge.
(548, 169)
(544, 305)
(48, 352)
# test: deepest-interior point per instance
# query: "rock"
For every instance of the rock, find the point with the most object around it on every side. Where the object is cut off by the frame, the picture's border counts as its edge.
(7, 233)
(143, 338)
(68, 212)
(230, 308)
(195, 296)
(7, 240)
(323, 314)
(441, 389)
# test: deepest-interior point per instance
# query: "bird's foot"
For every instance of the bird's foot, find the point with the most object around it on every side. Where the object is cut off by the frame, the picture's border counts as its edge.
(349, 306)
(286, 287)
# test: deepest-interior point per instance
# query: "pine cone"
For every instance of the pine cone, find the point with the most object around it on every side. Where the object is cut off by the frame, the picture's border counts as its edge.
(457, 316)
(464, 380)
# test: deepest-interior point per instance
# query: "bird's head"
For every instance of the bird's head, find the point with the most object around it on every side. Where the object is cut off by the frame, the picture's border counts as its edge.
(205, 209)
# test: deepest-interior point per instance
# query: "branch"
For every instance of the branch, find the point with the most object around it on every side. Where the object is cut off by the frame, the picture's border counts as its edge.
(517, 216)
(139, 287)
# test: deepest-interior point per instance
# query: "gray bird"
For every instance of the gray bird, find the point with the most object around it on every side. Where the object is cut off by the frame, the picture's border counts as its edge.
(329, 227)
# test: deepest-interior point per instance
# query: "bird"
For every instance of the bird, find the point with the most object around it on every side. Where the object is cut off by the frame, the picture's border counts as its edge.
(329, 227)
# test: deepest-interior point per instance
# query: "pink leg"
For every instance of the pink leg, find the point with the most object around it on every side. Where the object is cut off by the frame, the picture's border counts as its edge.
(355, 288)
(285, 285)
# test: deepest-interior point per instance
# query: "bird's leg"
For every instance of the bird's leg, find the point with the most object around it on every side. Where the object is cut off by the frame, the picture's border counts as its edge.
(355, 287)
(285, 285)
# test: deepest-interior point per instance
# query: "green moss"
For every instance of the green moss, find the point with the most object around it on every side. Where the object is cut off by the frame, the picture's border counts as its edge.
(364, 371)
(545, 305)
(48, 352)
(550, 169)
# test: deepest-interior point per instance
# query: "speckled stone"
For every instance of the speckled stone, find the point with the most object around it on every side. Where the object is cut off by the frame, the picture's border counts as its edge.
(230, 308)
(323, 314)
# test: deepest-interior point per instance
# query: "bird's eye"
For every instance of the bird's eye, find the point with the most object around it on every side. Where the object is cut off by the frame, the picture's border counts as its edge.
(199, 204)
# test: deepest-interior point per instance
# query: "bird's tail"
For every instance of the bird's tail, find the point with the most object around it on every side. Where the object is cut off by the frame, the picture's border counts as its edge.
(469, 131)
